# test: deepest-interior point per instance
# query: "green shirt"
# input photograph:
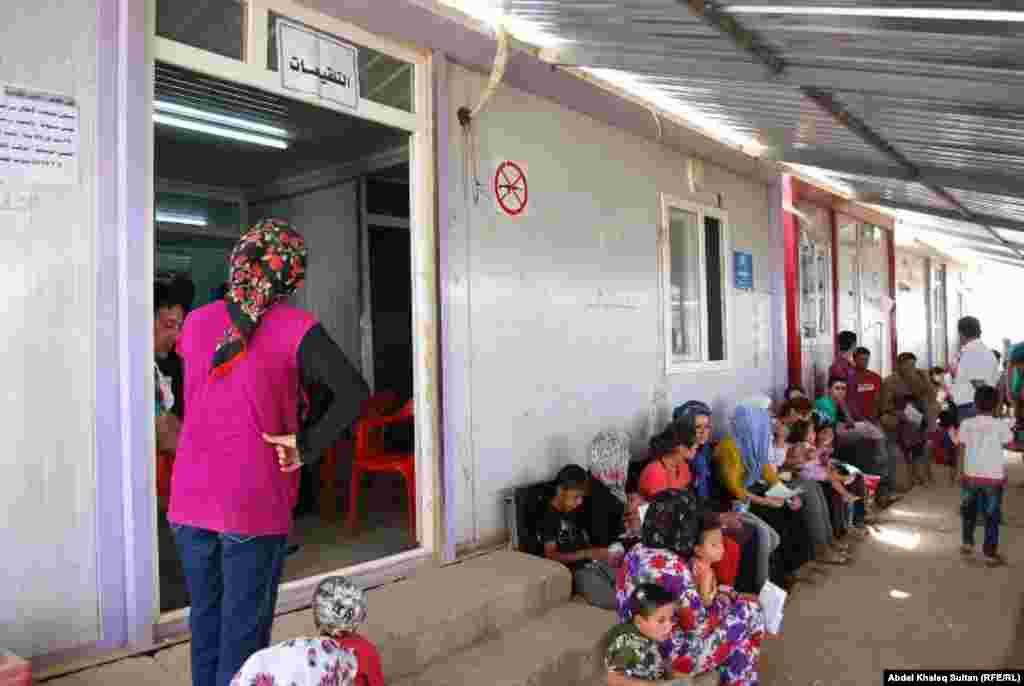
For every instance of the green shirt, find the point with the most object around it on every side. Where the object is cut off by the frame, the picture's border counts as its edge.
(827, 406)
(632, 654)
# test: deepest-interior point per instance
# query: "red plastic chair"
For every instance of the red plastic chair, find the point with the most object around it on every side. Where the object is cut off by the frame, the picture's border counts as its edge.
(371, 455)
(164, 469)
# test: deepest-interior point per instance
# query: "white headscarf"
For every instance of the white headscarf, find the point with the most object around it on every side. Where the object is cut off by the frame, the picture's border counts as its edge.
(757, 402)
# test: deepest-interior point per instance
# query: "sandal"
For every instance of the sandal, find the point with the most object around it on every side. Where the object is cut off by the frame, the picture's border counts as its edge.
(836, 559)
(997, 560)
(967, 550)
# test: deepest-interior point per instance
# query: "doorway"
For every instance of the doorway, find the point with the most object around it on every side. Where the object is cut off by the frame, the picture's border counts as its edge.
(865, 304)
(321, 170)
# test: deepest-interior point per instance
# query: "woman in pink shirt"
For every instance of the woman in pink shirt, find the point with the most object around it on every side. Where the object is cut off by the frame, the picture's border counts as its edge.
(668, 467)
(250, 362)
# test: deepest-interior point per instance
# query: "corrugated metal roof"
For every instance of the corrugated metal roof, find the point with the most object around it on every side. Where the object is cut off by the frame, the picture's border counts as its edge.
(947, 92)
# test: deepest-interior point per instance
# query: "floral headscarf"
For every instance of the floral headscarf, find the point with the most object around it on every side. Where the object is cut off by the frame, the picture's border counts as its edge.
(672, 522)
(339, 606)
(609, 461)
(300, 662)
(752, 431)
(267, 266)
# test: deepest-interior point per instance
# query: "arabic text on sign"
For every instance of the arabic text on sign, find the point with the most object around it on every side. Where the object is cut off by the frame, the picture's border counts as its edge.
(40, 137)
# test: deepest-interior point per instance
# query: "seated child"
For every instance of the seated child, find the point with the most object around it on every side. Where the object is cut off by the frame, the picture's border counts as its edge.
(944, 443)
(566, 541)
(338, 656)
(706, 554)
(632, 654)
(846, 493)
(339, 607)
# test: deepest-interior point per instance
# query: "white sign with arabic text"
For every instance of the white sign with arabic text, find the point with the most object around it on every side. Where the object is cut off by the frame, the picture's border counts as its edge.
(319, 65)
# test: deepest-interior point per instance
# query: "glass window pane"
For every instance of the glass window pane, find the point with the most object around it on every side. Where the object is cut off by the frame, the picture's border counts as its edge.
(808, 290)
(217, 26)
(382, 79)
(824, 291)
(684, 282)
(716, 299)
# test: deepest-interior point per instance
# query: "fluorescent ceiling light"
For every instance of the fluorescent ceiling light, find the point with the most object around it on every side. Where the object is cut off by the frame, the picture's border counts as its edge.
(222, 131)
(235, 122)
(654, 95)
(882, 12)
(175, 218)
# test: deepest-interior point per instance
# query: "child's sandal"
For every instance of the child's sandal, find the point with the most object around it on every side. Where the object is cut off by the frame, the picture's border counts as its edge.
(997, 560)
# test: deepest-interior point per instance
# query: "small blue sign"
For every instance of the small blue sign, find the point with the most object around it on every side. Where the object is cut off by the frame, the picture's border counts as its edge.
(743, 270)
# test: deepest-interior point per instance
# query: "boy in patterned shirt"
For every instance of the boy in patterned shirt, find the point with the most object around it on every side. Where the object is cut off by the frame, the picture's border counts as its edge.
(632, 654)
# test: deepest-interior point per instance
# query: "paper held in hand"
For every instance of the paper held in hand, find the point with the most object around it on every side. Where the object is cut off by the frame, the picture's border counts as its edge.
(913, 415)
(773, 600)
(780, 490)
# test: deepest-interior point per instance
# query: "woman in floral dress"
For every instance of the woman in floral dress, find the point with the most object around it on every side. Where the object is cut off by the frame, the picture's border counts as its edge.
(727, 634)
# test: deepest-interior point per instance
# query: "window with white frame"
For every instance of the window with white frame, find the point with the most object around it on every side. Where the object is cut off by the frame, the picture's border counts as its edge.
(694, 253)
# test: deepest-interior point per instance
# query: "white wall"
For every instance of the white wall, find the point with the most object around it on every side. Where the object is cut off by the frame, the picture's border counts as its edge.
(329, 221)
(547, 368)
(48, 578)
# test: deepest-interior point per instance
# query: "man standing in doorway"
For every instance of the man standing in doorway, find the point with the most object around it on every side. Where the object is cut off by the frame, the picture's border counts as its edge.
(976, 366)
(864, 394)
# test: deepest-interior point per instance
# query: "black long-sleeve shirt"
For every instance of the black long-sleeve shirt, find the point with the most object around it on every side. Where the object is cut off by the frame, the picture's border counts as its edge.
(336, 393)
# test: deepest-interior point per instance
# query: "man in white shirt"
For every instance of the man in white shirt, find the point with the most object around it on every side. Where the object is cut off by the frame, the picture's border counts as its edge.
(977, 367)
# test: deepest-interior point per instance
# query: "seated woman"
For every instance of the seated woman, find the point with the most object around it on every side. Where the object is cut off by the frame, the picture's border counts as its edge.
(846, 490)
(807, 475)
(566, 540)
(745, 469)
(757, 540)
(671, 450)
(720, 631)
(612, 514)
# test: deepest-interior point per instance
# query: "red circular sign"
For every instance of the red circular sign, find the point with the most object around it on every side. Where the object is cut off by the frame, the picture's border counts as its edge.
(510, 188)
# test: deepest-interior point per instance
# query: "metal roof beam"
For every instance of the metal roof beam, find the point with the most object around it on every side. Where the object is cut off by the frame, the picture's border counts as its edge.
(982, 220)
(1009, 94)
(996, 184)
(754, 45)
(957, 235)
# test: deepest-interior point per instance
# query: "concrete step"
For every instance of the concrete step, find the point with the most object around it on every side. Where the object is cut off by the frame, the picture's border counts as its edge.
(559, 648)
(436, 612)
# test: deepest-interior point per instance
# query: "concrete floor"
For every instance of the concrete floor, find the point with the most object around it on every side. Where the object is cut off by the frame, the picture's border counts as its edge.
(908, 601)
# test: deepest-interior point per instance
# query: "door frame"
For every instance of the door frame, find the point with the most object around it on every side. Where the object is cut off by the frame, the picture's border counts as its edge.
(127, 545)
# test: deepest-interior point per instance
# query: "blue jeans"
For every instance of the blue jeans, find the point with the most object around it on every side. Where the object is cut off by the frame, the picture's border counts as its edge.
(986, 501)
(233, 582)
(966, 411)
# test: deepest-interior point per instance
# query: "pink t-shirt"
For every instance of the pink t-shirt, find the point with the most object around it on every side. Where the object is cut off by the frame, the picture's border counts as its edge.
(226, 478)
(656, 478)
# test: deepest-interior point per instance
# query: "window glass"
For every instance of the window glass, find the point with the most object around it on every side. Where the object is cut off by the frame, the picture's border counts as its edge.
(713, 276)
(697, 290)
(216, 26)
(684, 277)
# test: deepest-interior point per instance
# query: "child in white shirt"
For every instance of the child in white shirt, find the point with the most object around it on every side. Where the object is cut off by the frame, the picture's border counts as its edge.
(982, 472)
